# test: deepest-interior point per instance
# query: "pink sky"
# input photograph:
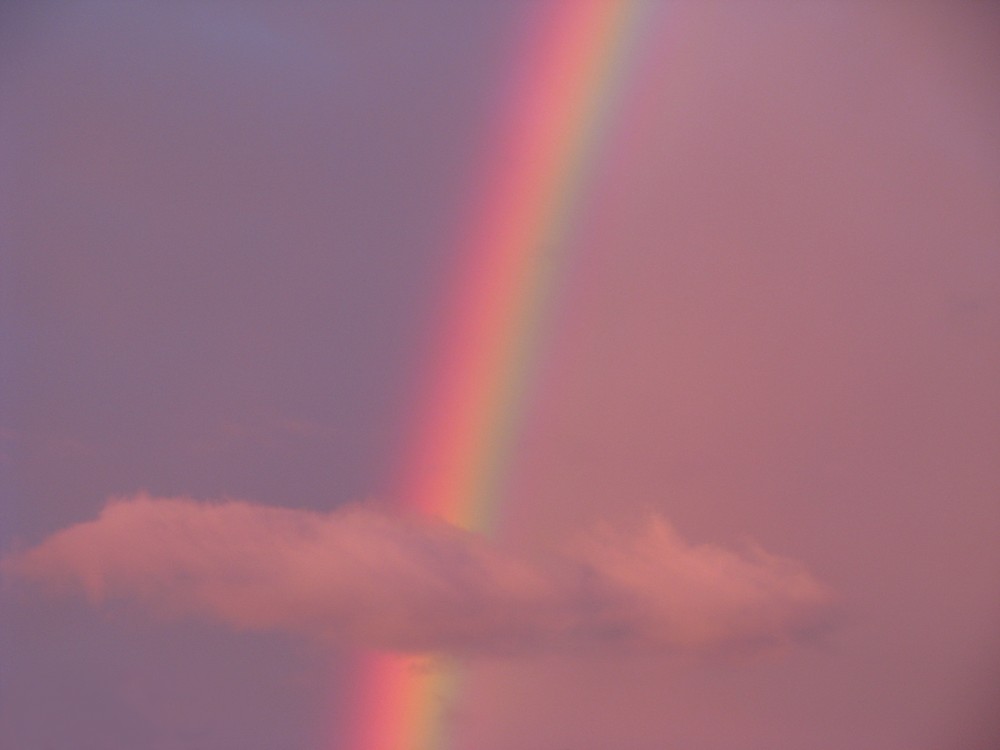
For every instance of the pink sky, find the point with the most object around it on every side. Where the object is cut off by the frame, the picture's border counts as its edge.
(226, 228)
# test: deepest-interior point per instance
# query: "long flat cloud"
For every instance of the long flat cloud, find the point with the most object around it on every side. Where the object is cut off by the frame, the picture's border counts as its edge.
(362, 576)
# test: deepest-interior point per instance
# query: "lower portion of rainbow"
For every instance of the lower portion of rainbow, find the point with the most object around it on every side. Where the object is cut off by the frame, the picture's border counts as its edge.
(551, 131)
(403, 701)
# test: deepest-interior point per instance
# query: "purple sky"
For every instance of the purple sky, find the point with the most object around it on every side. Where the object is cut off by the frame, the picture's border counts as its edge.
(226, 228)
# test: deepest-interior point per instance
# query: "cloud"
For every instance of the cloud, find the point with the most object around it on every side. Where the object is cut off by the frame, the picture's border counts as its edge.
(362, 576)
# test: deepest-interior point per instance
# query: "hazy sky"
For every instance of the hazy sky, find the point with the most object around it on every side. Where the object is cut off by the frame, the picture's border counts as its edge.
(227, 229)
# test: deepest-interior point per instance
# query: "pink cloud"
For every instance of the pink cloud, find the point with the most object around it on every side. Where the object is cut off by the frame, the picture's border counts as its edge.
(658, 589)
(361, 576)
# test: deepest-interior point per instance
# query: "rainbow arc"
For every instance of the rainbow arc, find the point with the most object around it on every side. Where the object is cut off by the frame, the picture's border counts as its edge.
(572, 74)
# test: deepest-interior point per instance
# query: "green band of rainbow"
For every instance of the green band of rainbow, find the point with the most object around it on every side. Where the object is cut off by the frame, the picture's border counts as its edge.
(568, 89)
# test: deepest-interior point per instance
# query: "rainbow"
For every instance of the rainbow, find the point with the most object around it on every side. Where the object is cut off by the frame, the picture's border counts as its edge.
(557, 117)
